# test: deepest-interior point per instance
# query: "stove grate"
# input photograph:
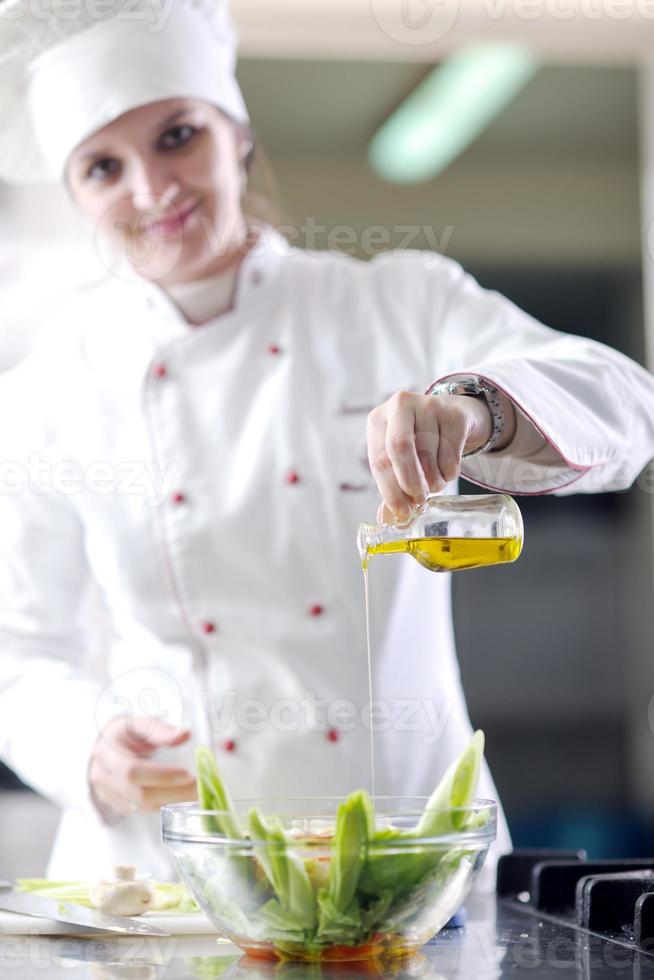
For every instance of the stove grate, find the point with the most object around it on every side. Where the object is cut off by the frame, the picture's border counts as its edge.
(612, 898)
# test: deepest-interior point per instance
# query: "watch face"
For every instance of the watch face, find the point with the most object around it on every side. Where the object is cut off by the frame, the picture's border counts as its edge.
(470, 388)
(463, 386)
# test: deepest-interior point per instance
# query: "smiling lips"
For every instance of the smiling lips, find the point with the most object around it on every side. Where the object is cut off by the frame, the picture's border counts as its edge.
(171, 225)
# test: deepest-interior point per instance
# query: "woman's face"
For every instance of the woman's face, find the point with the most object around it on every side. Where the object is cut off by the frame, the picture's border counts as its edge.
(163, 184)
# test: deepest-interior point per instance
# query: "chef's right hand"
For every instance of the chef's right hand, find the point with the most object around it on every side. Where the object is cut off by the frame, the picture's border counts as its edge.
(124, 780)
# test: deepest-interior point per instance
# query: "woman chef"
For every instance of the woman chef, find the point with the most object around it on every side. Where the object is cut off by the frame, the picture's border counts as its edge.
(193, 441)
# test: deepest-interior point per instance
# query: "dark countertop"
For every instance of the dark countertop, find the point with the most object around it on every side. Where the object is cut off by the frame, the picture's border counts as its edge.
(499, 940)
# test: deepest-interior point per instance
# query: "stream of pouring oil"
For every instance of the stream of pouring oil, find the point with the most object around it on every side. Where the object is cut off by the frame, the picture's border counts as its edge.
(370, 715)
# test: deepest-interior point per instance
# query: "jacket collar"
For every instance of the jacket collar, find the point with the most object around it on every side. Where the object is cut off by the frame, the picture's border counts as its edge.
(128, 323)
(258, 270)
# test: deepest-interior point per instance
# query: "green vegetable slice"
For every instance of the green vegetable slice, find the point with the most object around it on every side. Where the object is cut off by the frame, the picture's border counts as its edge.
(285, 871)
(355, 826)
(213, 795)
(168, 896)
(340, 916)
(457, 788)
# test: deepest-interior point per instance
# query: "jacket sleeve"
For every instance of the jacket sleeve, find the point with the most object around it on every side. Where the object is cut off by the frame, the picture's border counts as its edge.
(47, 704)
(585, 412)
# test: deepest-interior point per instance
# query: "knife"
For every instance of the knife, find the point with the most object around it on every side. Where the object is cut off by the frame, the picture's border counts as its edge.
(77, 915)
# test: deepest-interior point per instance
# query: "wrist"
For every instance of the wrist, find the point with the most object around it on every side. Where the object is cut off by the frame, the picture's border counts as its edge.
(483, 423)
(497, 403)
(480, 422)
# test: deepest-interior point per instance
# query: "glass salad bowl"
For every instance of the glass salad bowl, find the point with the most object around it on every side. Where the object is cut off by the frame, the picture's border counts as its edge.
(318, 879)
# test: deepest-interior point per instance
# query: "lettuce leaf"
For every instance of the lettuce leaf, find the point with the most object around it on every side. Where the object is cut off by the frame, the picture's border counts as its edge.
(457, 788)
(340, 916)
(213, 795)
(355, 826)
(286, 873)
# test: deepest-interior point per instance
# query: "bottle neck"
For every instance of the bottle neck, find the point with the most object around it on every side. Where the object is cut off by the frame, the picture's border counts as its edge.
(368, 536)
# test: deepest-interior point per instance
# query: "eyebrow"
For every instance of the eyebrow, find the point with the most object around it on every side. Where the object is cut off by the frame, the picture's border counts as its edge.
(168, 121)
(172, 118)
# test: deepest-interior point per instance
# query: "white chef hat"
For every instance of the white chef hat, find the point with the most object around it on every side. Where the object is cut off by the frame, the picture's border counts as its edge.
(70, 67)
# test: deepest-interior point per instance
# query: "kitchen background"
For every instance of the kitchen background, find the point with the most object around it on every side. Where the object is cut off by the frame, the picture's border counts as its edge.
(548, 205)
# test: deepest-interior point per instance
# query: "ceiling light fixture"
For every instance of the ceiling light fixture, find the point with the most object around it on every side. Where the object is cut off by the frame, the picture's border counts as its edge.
(448, 110)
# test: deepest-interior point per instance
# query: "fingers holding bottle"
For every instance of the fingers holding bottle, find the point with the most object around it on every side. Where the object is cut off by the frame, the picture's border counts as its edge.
(416, 444)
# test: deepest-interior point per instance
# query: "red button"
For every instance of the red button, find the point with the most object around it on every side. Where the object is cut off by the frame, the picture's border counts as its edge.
(317, 610)
(178, 498)
(333, 735)
(274, 349)
(293, 477)
(208, 627)
(229, 745)
(160, 370)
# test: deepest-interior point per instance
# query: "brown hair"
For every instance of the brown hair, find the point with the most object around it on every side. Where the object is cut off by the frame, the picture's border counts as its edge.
(261, 200)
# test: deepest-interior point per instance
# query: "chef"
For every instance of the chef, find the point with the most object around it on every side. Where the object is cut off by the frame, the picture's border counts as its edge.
(201, 434)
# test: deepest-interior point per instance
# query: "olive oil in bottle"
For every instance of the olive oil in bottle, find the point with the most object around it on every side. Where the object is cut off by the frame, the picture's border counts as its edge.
(452, 554)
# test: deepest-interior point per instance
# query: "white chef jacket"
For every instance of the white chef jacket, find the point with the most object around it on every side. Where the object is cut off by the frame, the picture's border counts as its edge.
(209, 481)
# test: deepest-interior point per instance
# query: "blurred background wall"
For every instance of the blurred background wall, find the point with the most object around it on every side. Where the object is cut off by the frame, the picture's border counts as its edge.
(544, 206)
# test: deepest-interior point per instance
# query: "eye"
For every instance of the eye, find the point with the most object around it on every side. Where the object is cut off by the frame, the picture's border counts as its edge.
(103, 169)
(177, 137)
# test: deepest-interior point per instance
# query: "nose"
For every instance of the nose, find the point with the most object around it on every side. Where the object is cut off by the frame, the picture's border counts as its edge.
(153, 188)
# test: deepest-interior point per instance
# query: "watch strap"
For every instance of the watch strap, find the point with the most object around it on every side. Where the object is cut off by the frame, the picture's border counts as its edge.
(476, 386)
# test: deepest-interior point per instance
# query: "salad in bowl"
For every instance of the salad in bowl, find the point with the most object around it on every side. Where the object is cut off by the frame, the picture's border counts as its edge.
(323, 879)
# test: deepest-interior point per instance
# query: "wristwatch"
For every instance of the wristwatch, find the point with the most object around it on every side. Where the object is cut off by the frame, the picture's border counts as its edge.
(475, 386)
